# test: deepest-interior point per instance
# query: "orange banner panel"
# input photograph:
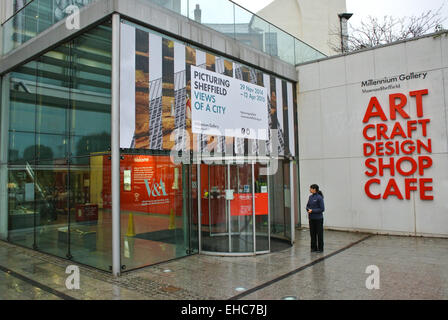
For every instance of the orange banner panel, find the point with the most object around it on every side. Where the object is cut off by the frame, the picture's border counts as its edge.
(150, 184)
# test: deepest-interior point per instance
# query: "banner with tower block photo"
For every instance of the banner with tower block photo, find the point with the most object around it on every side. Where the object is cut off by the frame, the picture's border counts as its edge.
(157, 92)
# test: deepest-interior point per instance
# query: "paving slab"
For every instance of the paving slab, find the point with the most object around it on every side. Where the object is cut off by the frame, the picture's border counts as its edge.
(410, 268)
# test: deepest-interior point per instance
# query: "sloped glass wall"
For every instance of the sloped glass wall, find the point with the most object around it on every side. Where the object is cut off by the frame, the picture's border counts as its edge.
(224, 16)
(59, 140)
(31, 17)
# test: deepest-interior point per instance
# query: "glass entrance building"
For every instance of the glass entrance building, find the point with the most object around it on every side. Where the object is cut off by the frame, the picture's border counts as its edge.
(101, 160)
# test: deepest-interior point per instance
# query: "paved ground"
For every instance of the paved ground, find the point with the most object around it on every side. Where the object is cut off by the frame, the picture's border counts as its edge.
(410, 268)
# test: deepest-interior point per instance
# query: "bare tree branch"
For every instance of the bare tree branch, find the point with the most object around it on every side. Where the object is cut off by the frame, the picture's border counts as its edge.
(374, 32)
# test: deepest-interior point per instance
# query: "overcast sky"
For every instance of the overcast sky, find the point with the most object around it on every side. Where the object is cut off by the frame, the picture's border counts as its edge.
(379, 8)
(396, 8)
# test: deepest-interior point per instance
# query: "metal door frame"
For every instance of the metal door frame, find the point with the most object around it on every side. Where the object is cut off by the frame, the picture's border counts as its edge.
(228, 162)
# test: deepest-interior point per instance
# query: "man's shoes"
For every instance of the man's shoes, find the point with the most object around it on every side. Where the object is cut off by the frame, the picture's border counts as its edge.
(313, 250)
(319, 251)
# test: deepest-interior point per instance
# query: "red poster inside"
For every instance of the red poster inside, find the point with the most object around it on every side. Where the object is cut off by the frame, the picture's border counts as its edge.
(242, 204)
(149, 184)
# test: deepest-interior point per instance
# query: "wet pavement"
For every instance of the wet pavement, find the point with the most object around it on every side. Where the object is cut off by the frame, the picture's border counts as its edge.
(409, 268)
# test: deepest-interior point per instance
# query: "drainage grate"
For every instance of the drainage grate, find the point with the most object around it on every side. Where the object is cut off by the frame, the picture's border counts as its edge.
(171, 289)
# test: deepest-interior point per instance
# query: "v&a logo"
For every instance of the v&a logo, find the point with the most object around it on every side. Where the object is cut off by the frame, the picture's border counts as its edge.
(156, 190)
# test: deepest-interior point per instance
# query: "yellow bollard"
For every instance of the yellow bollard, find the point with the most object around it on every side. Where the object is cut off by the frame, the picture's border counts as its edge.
(172, 220)
(131, 229)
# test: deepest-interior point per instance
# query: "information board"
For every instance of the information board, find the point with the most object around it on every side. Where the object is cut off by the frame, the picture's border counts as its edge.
(225, 106)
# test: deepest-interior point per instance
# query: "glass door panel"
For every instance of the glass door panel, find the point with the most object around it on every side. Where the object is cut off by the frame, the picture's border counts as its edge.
(261, 209)
(217, 200)
(287, 197)
(193, 207)
(241, 209)
(203, 207)
(214, 221)
(277, 203)
(230, 221)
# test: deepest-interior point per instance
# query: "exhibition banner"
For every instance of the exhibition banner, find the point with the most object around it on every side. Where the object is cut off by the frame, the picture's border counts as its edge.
(225, 106)
(176, 97)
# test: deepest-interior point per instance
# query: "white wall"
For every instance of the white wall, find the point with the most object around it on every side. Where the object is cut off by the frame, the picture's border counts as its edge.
(313, 21)
(331, 108)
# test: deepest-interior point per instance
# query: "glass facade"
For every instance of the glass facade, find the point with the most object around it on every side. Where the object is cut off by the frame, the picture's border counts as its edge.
(244, 26)
(156, 220)
(56, 164)
(32, 17)
(35, 16)
(161, 210)
(58, 134)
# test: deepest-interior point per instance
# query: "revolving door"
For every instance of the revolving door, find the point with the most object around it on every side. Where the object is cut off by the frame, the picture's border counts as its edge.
(234, 209)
